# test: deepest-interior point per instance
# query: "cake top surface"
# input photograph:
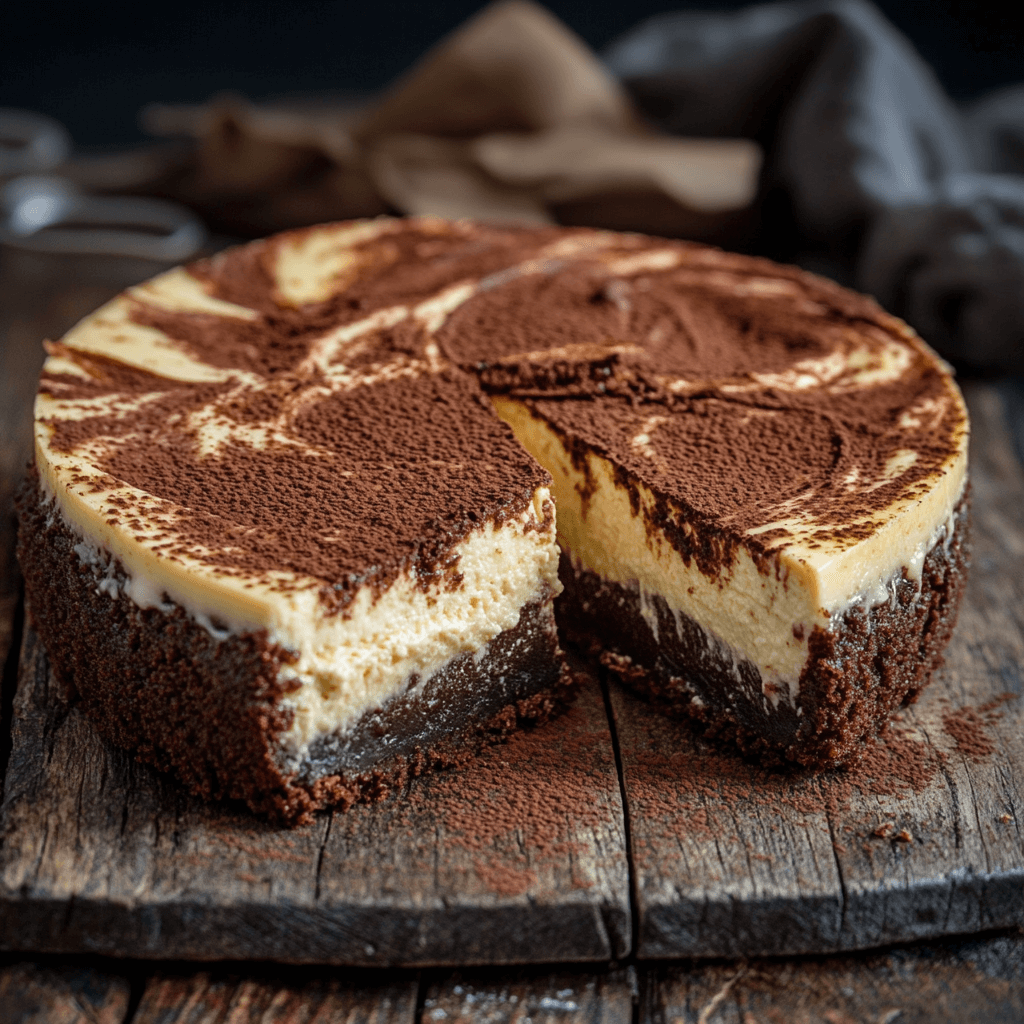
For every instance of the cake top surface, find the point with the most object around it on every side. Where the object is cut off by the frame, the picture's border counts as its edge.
(313, 401)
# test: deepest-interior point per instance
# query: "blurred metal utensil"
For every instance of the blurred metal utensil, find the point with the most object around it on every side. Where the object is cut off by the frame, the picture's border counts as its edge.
(49, 214)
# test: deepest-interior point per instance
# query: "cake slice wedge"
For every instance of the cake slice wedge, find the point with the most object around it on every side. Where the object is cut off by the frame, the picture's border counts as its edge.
(760, 478)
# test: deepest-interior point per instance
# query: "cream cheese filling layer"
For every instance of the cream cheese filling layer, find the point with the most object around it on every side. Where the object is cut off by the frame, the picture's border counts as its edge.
(765, 618)
(360, 663)
(346, 663)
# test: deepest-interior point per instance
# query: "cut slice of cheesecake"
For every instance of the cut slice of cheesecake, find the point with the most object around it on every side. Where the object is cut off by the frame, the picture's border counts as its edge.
(760, 491)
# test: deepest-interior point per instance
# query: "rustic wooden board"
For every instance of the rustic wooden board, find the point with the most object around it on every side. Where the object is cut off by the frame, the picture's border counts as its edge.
(731, 861)
(205, 998)
(560, 996)
(960, 983)
(520, 858)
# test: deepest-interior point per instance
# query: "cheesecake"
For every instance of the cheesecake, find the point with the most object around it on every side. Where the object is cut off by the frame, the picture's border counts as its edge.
(303, 515)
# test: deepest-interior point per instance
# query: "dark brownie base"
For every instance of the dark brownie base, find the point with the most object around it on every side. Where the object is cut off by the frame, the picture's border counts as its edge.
(154, 681)
(856, 676)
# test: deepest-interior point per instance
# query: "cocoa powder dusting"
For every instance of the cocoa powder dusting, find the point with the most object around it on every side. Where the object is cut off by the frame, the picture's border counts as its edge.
(693, 788)
(349, 459)
(721, 400)
(517, 809)
(361, 484)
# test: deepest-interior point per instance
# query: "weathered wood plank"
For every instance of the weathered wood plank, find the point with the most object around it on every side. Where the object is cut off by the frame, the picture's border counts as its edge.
(959, 982)
(538, 997)
(719, 870)
(518, 858)
(733, 861)
(206, 998)
(963, 871)
(36, 994)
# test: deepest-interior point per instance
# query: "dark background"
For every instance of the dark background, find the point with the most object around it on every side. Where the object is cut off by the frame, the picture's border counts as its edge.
(93, 65)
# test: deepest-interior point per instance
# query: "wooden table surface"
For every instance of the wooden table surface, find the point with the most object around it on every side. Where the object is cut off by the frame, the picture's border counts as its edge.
(102, 856)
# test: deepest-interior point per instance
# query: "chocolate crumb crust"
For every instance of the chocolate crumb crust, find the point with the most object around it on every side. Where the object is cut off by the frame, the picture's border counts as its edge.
(154, 681)
(857, 675)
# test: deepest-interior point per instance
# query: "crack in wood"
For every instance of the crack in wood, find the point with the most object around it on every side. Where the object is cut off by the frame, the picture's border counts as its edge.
(719, 997)
(634, 903)
(844, 898)
(320, 855)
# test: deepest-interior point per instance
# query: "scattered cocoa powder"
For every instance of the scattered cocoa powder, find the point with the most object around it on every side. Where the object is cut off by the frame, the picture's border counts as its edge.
(525, 806)
(968, 730)
(503, 879)
(998, 702)
(692, 788)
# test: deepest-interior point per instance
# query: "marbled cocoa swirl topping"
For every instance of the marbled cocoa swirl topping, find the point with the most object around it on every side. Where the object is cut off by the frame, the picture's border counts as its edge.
(315, 403)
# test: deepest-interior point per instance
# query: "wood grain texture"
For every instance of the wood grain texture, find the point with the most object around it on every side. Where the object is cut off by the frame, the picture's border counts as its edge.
(518, 858)
(205, 998)
(958, 983)
(36, 994)
(541, 997)
(732, 861)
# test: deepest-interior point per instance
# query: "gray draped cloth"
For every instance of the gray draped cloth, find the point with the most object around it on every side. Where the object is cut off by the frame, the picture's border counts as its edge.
(871, 172)
(808, 131)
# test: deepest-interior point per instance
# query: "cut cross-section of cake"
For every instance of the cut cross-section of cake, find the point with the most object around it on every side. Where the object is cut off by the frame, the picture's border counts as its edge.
(761, 496)
(280, 540)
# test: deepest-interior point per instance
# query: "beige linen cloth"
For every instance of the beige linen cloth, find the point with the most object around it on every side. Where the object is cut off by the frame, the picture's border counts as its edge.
(512, 117)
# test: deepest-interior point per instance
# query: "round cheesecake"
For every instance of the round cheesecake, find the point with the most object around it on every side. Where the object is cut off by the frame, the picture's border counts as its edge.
(303, 513)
